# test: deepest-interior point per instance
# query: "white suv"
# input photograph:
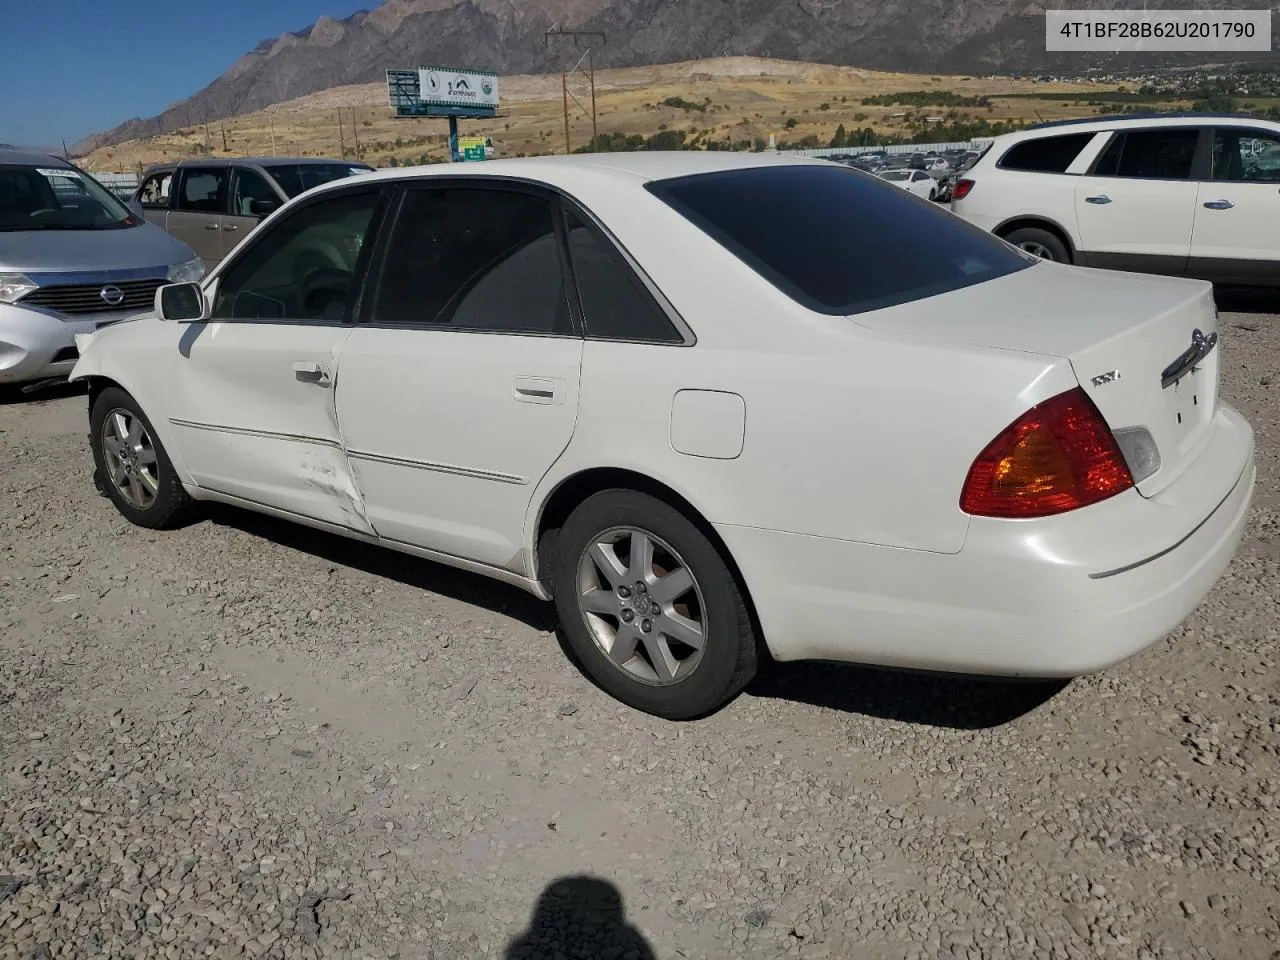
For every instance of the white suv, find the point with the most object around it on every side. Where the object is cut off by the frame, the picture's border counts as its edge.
(1183, 194)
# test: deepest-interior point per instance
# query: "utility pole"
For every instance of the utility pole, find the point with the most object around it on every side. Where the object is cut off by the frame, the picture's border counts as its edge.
(355, 128)
(65, 155)
(342, 142)
(225, 148)
(272, 121)
(577, 35)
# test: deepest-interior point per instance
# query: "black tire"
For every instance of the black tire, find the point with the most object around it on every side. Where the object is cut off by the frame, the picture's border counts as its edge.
(729, 653)
(171, 506)
(1034, 237)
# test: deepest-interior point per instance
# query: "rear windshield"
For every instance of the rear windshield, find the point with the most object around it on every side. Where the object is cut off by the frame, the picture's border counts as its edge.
(57, 198)
(837, 240)
(299, 178)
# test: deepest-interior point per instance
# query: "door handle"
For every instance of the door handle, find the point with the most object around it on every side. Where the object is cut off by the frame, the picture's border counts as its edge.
(1101, 198)
(211, 226)
(311, 372)
(537, 390)
(229, 227)
(1218, 205)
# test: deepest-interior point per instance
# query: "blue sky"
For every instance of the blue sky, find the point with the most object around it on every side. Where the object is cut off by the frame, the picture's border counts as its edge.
(74, 67)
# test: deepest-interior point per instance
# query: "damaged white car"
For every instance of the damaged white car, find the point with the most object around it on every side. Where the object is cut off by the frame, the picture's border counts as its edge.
(715, 405)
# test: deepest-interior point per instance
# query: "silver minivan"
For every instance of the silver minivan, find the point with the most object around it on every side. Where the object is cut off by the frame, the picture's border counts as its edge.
(72, 258)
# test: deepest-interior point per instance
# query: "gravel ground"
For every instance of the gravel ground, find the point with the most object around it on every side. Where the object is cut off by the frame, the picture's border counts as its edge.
(248, 739)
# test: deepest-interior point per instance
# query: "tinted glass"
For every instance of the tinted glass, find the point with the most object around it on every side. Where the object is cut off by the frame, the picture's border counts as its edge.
(1046, 154)
(1150, 154)
(1246, 156)
(57, 198)
(474, 259)
(615, 303)
(301, 177)
(203, 190)
(836, 240)
(304, 268)
(246, 187)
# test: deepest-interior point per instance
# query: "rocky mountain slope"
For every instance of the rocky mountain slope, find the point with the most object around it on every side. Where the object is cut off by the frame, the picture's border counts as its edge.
(924, 35)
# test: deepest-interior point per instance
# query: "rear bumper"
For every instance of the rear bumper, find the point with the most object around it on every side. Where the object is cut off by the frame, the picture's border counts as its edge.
(1057, 597)
(37, 344)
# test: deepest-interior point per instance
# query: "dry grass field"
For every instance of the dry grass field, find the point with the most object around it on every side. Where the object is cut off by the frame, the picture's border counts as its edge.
(731, 99)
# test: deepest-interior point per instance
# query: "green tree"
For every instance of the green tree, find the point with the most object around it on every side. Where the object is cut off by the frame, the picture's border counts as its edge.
(841, 139)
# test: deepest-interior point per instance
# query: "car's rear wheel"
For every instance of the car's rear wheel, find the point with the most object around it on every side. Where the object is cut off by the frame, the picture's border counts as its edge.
(1041, 243)
(132, 467)
(650, 608)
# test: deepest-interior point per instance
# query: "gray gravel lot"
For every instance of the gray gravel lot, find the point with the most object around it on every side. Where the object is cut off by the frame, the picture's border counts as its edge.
(249, 739)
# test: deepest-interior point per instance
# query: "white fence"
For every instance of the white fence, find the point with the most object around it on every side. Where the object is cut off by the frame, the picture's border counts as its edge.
(121, 184)
(895, 148)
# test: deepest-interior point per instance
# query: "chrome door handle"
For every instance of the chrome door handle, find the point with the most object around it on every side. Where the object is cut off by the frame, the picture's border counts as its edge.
(1218, 205)
(229, 226)
(311, 372)
(211, 226)
(1101, 198)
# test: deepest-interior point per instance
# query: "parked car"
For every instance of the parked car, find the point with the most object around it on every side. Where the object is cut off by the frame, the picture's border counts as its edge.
(1169, 194)
(913, 181)
(544, 370)
(212, 204)
(72, 257)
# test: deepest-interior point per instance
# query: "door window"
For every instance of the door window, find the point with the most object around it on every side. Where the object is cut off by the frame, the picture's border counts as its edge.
(1045, 154)
(304, 269)
(1245, 156)
(615, 303)
(204, 190)
(1150, 154)
(154, 191)
(474, 259)
(246, 187)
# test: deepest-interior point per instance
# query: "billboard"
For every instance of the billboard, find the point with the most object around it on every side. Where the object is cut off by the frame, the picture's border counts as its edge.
(442, 92)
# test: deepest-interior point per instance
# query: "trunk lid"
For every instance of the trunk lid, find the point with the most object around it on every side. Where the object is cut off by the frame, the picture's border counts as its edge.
(1144, 348)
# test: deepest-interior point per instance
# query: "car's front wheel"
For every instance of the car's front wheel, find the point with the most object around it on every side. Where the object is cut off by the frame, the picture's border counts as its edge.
(650, 608)
(131, 464)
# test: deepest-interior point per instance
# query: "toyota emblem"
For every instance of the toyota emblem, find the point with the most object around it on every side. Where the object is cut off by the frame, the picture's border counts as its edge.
(111, 296)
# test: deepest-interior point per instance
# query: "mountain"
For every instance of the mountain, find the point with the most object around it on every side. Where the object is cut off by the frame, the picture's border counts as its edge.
(955, 36)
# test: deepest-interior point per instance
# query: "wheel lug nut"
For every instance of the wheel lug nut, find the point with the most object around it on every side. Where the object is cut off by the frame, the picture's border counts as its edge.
(646, 625)
(624, 592)
(640, 587)
(655, 609)
(627, 616)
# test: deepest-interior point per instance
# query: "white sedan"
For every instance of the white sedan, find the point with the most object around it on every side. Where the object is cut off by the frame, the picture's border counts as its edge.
(712, 405)
(913, 181)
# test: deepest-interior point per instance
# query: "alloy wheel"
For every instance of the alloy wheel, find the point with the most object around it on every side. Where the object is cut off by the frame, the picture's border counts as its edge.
(130, 458)
(642, 606)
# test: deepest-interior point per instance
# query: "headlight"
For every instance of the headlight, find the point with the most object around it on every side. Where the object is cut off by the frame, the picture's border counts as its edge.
(189, 272)
(14, 286)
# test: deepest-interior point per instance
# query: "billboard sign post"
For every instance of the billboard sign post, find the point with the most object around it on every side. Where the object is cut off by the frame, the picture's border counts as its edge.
(446, 92)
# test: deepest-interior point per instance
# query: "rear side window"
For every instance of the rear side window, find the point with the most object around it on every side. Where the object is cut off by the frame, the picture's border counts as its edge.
(1045, 154)
(615, 303)
(474, 259)
(1150, 154)
(838, 241)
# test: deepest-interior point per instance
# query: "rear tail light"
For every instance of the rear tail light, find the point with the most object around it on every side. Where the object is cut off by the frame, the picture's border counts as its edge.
(1058, 456)
(961, 189)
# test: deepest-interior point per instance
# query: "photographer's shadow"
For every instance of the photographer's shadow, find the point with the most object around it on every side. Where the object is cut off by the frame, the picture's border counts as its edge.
(577, 914)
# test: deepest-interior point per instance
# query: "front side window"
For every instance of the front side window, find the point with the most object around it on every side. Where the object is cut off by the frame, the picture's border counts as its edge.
(1046, 154)
(154, 191)
(246, 187)
(304, 268)
(57, 198)
(1167, 154)
(615, 303)
(298, 178)
(203, 190)
(835, 240)
(1248, 156)
(473, 259)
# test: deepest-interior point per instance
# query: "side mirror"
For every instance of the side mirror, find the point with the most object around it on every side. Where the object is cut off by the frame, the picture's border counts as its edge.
(261, 208)
(180, 302)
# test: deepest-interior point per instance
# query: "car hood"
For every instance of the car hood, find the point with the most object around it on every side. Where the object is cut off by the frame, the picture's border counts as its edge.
(83, 251)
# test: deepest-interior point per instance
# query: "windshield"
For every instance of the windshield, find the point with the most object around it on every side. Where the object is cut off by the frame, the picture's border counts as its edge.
(57, 198)
(299, 178)
(838, 241)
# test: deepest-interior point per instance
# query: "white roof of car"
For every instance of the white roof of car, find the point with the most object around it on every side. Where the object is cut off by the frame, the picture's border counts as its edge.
(1102, 124)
